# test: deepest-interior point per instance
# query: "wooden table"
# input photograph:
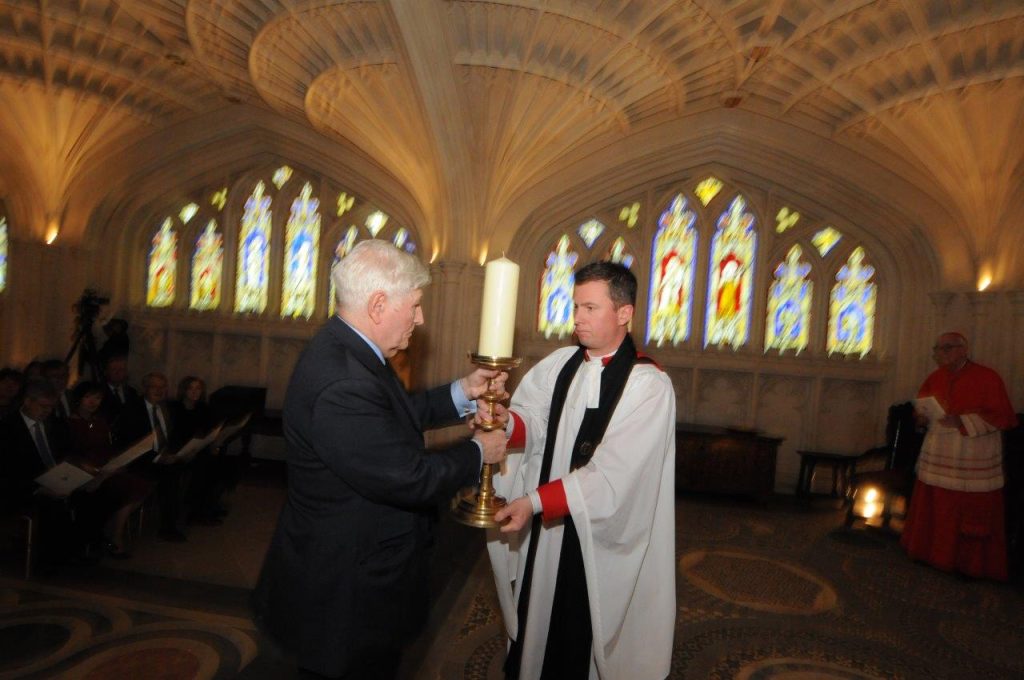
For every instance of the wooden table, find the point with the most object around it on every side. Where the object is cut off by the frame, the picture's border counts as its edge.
(725, 460)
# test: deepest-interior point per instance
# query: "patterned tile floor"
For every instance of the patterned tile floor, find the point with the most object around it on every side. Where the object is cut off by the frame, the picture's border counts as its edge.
(765, 590)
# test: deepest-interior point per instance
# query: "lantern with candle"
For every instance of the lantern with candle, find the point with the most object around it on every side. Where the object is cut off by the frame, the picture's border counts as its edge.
(497, 328)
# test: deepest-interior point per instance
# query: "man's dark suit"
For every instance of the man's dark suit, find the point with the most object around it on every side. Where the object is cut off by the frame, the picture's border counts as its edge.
(111, 406)
(21, 462)
(59, 536)
(132, 425)
(345, 577)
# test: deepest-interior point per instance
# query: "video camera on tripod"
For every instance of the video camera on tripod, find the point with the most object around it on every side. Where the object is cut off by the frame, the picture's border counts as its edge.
(87, 309)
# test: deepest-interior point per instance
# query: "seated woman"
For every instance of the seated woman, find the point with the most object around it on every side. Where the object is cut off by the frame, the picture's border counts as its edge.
(193, 417)
(90, 448)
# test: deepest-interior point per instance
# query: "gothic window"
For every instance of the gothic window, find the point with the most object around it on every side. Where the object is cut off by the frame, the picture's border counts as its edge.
(708, 189)
(825, 240)
(345, 244)
(673, 255)
(785, 219)
(402, 240)
(207, 269)
(188, 212)
(253, 266)
(590, 231)
(788, 318)
(851, 311)
(556, 287)
(301, 251)
(163, 264)
(619, 253)
(730, 277)
(375, 221)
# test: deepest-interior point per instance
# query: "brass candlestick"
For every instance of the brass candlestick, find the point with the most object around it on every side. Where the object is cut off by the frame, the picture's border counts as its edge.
(476, 508)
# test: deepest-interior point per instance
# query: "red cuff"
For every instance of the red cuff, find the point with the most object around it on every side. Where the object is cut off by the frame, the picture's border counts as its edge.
(553, 502)
(518, 438)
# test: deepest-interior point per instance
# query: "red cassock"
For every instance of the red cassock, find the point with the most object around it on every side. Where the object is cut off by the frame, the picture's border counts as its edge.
(956, 520)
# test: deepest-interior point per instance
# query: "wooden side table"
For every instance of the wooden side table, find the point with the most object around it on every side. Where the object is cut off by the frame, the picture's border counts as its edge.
(841, 464)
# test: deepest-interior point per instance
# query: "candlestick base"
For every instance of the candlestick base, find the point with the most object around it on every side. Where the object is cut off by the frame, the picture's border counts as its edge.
(475, 509)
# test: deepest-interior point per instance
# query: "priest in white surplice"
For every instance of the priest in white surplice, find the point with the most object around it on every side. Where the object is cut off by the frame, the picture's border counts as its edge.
(585, 565)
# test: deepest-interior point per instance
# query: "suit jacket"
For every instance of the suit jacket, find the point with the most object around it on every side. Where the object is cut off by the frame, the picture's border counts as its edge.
(133, 423)
(112, 407)
(20, 461)
(347, 569)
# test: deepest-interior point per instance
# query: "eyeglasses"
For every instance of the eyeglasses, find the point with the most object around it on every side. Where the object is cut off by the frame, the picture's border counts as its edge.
(944, 348)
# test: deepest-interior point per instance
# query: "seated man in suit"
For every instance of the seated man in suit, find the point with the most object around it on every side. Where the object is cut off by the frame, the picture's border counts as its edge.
(34, 442)
(139, 418)
(345, 581)
(58, 373)
(119, 393)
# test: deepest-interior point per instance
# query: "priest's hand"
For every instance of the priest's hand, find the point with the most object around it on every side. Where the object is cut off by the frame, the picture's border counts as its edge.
(518, 513)
(475, 384)
(493, 444)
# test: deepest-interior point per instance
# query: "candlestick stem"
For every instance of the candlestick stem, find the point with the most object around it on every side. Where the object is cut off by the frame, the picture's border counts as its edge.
(477, 507)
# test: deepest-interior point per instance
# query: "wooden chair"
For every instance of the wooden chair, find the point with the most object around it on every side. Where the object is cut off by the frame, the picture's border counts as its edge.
(888, 468)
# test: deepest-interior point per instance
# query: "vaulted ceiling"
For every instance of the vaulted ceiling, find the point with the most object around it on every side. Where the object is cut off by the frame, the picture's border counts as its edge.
(470, 106)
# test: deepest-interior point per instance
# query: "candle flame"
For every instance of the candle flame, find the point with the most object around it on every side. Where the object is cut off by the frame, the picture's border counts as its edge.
(984, 282)
(483, 257)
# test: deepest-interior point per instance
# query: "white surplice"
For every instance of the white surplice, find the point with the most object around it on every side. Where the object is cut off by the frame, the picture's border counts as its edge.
(623, 506)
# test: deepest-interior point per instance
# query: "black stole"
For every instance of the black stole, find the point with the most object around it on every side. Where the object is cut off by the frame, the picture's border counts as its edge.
(571, 602)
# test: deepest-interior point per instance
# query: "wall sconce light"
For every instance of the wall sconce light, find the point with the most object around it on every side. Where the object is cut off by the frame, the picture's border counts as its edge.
(52, 230)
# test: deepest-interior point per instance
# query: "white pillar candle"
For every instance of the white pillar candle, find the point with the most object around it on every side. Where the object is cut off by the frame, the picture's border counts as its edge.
(498, 313)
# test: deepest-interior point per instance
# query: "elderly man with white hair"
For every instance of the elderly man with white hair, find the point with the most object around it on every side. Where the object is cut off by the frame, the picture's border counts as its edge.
(344, 584)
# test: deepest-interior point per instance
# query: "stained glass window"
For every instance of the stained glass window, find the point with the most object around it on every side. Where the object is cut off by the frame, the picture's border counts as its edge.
(219, 198)
(281, 176)
(851, 310)
(253, 265)
(556, 288)
(403, 241)
(731, 276)
(619, 253)
(787, 322)
(301, 252)
(345, 244)
(672, 270)
(826, 239)
(188, 212)
(163, 265)
(375, 221)
(3, 253)
(589, 231)
(207, 268)
(785, 219)
(630, 214)
(708, 189)
(344, 203)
